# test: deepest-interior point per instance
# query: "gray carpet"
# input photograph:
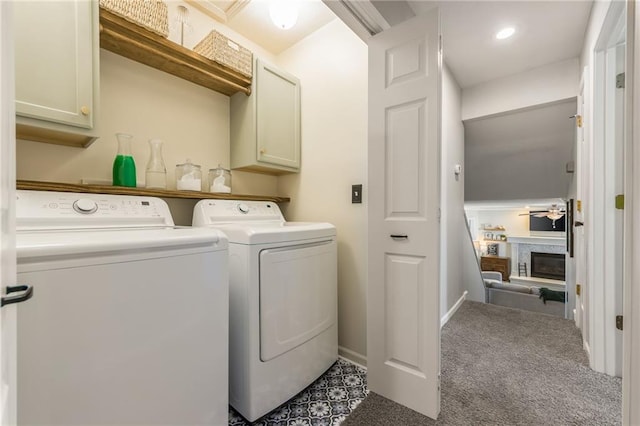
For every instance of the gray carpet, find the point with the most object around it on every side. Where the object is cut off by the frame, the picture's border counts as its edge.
(504, 366)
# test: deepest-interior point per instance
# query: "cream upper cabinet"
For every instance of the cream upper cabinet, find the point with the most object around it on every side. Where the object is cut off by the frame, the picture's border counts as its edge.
(265, 126)
(57, 72)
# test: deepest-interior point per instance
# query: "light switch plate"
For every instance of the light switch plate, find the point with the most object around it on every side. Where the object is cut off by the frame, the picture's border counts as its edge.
(356, 194)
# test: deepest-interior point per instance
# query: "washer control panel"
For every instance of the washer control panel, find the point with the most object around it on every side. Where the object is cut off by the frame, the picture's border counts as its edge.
(209, 212)
(65, 210)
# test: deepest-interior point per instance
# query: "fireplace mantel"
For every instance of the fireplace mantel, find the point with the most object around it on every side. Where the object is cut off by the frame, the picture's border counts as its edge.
(547, 241)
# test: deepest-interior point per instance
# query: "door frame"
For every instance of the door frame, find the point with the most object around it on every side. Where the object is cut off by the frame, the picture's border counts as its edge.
(578, 215)
(631, 332)
(604, 223)
(8, 401)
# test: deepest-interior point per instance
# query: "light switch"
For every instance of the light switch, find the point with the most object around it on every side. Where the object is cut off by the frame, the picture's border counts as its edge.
(356, 194)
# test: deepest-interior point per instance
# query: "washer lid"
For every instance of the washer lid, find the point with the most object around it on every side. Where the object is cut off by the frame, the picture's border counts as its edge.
(43, 244)
(273, 232)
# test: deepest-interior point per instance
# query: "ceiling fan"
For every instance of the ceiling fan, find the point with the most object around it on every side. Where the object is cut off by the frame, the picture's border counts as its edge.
(554, 213)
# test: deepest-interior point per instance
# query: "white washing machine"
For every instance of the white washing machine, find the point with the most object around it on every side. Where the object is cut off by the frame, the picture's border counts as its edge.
(128, 323)
(283, 301)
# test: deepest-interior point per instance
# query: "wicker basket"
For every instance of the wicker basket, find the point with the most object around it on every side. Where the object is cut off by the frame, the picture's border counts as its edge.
(219, 48)
(150, 14)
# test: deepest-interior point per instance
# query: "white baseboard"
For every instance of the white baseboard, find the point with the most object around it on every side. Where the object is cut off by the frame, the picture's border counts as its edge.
(352, 356)
(453, 310)
(587, 349)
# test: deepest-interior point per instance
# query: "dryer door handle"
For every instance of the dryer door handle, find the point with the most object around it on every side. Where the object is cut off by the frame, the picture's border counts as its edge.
(26, 294)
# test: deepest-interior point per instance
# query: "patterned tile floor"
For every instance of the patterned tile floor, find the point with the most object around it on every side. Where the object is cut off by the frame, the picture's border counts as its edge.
(326, 402)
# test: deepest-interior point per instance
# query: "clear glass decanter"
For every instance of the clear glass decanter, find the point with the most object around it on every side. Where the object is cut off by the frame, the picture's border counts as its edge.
(156, 176)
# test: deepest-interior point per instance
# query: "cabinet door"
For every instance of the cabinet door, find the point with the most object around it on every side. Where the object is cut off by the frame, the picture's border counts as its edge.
(54, 61)
(278, 117)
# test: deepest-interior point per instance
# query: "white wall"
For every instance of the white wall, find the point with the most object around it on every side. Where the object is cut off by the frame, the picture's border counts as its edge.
(514, 224)
(452, 203)
(332, 67)
(470, 268)
(549, 83)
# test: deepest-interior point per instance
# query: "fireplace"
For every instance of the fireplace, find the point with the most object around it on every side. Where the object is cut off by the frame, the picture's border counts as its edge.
(547, 265)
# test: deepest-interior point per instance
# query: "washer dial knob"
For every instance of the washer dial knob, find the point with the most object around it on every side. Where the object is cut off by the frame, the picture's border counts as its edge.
(85, 206)
(243, 208)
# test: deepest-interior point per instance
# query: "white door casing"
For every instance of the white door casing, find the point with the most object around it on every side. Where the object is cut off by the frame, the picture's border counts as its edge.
(579, 248)
(7, 217)
(605, 233)
(615, 226)
(403, 318)
(585, 215)
(631, 332)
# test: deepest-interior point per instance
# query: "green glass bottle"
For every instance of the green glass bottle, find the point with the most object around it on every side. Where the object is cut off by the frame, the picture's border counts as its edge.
(124, 168)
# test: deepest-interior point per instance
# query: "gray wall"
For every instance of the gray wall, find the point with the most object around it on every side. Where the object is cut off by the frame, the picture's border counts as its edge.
(521, 154)
(452, 198)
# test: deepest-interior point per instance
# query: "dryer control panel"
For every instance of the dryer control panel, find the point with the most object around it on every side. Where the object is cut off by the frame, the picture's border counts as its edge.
(208, 212)
(66, 210)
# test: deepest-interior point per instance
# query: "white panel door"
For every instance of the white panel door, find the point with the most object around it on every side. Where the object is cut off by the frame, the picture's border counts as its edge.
(403, 320)
(7, 218)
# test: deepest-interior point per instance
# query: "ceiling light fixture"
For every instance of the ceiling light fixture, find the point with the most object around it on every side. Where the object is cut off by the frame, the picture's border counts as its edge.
(284, 13)
(505, 33)
(554, 213)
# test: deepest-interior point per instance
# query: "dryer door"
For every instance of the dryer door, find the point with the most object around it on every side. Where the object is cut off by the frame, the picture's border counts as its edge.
(298, 295)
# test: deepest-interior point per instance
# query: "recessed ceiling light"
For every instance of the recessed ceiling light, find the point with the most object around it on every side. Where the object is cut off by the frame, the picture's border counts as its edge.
(505, 33)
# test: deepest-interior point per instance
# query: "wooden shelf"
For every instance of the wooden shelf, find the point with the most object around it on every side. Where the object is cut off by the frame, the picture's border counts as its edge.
(134, 42)
(494, 229)
(120, 190)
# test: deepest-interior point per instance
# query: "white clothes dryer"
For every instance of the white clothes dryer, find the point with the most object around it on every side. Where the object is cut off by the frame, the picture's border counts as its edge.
(128, 323)
(283, 301)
